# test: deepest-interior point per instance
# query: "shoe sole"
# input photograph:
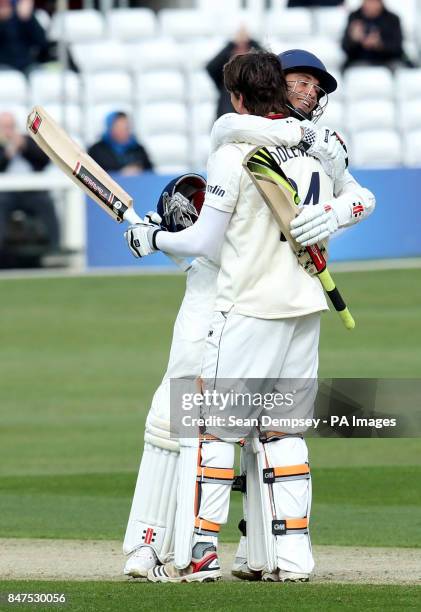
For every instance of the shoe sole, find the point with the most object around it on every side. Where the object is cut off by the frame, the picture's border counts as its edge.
(248, 576)
(198, 577)
(276, 578)
(136, 576)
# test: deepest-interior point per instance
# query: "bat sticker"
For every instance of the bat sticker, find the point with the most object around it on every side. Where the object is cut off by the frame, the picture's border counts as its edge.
(105, 195)
(35, 125)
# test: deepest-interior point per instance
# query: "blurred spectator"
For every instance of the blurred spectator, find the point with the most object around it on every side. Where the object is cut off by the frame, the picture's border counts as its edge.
(118, 149)
(28, 221)
(313, 3)
(22, 39)
(241, 44)
(373, 36)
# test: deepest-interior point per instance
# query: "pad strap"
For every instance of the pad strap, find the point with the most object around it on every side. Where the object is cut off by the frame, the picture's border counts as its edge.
(289, 526)
(287, 473)
(215, 475)
(202, 527)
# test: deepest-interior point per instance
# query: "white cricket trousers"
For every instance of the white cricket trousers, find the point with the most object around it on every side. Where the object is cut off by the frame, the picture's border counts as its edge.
(240, 347)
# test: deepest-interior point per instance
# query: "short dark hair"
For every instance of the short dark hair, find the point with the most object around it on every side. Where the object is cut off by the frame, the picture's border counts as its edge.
(258, 77)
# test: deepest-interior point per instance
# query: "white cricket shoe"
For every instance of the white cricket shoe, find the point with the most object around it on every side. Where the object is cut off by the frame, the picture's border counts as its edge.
(293, 577)
(140, 562)
(241, 570)
(204, 567)
(283, 576)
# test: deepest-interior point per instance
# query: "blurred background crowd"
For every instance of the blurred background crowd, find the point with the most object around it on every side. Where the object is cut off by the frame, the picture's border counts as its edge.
(140, 83)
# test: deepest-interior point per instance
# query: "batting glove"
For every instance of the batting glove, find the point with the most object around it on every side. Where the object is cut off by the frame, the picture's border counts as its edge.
(326, 146)
(141, 239)
(314, 223)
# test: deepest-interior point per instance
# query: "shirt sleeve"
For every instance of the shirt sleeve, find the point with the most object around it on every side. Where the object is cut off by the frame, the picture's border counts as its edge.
(204, 238)
(255, 130)
(223, 178)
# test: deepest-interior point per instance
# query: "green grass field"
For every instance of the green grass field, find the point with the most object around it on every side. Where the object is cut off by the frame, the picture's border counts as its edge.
(220, 597)
(80, 359)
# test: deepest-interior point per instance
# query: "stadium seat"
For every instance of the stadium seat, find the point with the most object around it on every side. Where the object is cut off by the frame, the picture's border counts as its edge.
(165, 85)
(69, 116)
(95, 57)
(131, 24)
(19, 111)
(339, 93)
(200, 150)
(219, 5)
(408, 84)
(257, 6)
(51, 87)
(230, 23)
(185, 24)
(331, 22)
(333, 115)
(172, 170)
(94, 119)
(202, 118)
(13, 87)
(85, 25)
(169, 151)
(197, 53)
(161, 118)
(200, 87)
(409, 115)
(376, 82)
(412, 149)
(157, 54)
(369, 115)
(376, 149)
(289, 25)
(107, 87)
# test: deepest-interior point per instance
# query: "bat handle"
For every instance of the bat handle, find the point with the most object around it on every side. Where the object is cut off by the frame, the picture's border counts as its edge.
(337, 300)
(132, 218)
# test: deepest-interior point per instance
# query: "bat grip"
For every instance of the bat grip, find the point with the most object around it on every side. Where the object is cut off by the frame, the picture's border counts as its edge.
(337, 300)
(132, 218)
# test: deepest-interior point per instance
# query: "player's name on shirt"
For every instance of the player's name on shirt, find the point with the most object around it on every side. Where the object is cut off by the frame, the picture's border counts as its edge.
(283, 154)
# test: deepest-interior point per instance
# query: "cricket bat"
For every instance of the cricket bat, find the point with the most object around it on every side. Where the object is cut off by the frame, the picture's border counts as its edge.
(83, 170)
(282, 199)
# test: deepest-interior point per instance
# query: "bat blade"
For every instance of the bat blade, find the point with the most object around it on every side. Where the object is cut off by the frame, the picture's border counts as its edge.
(84, 171)
(78, 165)
(282, 199)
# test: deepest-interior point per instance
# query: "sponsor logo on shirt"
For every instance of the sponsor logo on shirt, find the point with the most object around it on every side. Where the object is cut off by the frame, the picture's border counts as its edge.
(216, 190)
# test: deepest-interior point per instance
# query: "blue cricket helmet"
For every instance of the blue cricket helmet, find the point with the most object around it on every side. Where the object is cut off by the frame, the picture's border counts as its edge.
(177, 213)
(298, 59)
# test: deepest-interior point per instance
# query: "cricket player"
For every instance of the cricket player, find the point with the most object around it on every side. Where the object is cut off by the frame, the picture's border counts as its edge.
(144, 556)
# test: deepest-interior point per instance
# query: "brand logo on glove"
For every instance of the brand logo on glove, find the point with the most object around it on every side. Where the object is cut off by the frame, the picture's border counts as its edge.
(357, 210)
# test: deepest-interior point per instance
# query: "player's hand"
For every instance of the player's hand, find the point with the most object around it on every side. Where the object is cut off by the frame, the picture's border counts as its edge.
(327, 146)
(141, 238)
(153, 218)
(314, 223)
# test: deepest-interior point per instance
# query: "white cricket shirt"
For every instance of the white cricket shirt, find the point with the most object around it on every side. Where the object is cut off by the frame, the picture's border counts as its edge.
(260, 275)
